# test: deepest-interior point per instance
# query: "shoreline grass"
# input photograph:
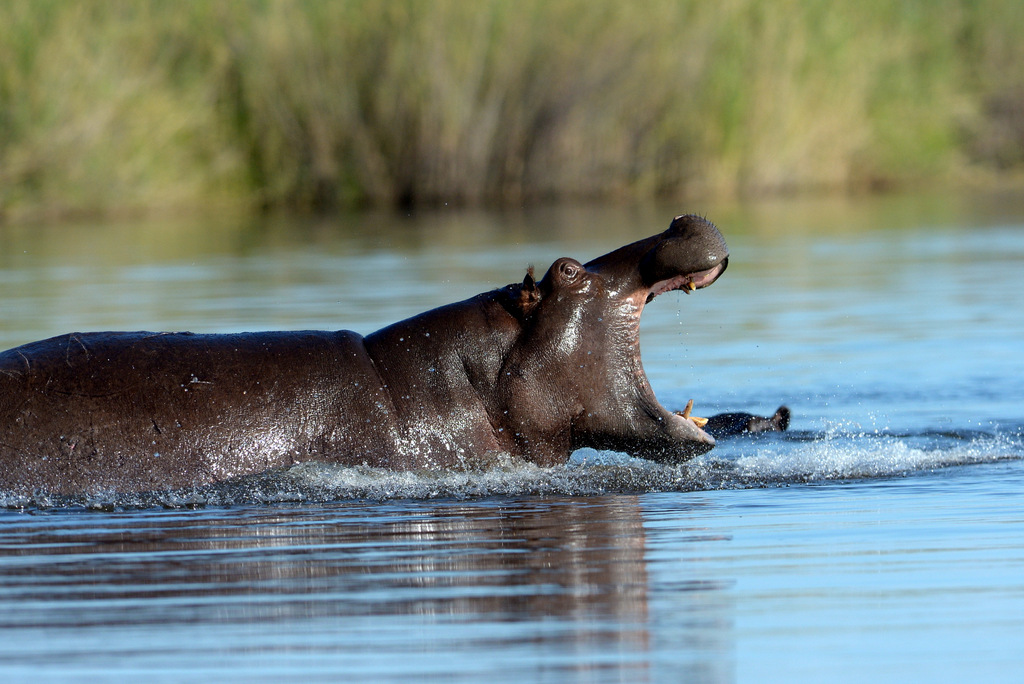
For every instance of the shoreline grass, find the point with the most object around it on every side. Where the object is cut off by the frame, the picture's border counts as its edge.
(113, 107)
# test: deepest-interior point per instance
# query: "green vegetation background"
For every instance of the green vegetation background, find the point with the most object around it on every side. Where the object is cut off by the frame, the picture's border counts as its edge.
(109, 106)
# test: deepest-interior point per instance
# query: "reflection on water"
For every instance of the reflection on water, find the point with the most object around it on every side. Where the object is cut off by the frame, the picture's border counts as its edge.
(873, 582)
(547, 578)
(879, 540)
(573, 557)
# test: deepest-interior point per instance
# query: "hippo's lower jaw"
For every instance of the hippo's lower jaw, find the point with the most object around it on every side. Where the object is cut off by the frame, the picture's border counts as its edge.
(702, 442)
(674, 439)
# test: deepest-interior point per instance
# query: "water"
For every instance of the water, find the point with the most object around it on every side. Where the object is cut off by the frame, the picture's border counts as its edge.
(882, 538)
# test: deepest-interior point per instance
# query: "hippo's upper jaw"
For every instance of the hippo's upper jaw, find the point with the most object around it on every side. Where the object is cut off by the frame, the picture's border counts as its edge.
(584, 341)
(688, 282)
(690, 255)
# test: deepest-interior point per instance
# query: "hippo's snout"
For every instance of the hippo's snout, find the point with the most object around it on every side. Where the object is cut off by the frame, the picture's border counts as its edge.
(692, 248)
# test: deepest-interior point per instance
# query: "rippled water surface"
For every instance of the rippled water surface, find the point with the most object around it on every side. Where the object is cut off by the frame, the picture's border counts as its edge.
(880, 539)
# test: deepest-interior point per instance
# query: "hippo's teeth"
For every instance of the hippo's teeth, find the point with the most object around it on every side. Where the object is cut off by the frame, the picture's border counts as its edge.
(699, 422)
(686, 411)
(691, 286)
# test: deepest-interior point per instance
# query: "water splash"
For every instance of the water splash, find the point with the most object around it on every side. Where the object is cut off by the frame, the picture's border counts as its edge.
(764, 461)
(846, 456)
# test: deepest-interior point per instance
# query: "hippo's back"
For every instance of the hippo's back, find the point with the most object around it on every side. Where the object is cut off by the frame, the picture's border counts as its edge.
(141, 410)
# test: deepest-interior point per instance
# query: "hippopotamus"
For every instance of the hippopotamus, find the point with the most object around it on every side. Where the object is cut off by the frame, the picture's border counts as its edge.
(726, 424)
(530, 371)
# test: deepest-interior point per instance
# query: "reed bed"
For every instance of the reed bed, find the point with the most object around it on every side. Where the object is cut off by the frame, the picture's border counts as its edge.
(110, 106)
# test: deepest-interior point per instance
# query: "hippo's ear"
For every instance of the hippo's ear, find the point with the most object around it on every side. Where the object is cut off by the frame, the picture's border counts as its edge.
(528, 282)
(529, 293)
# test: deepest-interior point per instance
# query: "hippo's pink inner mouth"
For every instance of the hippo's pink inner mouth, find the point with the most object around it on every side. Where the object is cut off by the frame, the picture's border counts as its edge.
(689, 282)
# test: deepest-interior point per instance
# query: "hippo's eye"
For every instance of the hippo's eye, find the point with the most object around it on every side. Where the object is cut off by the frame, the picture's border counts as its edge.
(569, 270)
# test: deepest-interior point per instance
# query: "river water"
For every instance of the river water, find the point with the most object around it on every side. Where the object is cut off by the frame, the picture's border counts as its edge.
(881, 538)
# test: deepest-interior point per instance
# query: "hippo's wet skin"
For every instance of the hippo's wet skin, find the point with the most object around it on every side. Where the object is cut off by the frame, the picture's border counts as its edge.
(534, 370)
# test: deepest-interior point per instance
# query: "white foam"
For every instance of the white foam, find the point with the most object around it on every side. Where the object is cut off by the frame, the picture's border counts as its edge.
(865, 456)
(763, 461)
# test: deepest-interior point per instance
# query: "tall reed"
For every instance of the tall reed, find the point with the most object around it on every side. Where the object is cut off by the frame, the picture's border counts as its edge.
(114, 105)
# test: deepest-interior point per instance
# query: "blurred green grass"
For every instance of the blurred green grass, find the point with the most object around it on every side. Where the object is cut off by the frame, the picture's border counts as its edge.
(111, 107)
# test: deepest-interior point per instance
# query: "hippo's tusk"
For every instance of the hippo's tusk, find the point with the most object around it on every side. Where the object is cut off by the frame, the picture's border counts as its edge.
(686, 411)
(699, 422)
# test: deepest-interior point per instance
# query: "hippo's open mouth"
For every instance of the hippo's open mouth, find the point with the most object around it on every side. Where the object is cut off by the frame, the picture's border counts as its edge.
(688, 283)
(689, 425)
